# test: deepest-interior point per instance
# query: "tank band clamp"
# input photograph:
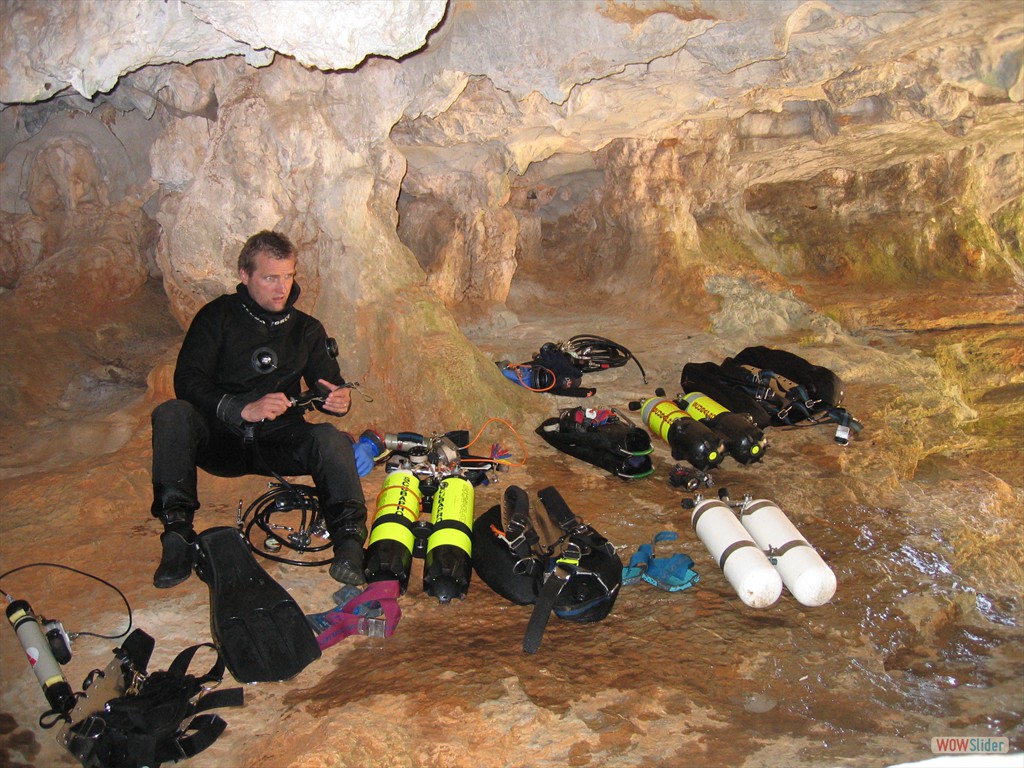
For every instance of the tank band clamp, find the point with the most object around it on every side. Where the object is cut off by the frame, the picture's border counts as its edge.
(774, 553)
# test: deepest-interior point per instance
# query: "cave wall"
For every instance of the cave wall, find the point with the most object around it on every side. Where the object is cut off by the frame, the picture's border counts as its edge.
(841, 178)
(467, 159)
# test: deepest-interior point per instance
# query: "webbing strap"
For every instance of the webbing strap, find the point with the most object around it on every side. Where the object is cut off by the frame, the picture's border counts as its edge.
(518, 531)
(204, 730)
(183, 660)
(697, 514)
(754, 506)
(229, 697)
(558, 509)
(579, 531)
(542, 610)
(345, 621)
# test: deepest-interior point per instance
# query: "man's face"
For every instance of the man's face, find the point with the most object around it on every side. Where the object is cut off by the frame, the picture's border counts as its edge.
(270, 282)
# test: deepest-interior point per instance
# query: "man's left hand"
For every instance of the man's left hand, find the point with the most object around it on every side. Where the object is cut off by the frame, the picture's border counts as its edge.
(339, 399)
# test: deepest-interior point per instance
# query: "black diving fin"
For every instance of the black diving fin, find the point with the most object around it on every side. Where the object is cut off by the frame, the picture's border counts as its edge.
(261, 632)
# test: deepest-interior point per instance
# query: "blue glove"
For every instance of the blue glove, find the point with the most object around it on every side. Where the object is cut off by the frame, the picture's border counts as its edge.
(365, 452)
(632, 573)
(520, 374)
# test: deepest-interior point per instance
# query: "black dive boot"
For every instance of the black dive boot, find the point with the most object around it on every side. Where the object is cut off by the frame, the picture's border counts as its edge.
(346, 524)
(179, 548)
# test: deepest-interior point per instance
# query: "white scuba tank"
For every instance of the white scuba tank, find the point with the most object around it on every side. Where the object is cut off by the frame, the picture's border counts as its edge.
(803, 571)
(757, 583)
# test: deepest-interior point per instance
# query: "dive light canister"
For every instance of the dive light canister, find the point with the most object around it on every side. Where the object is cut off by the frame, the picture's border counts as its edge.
(37, 648)
(744, 440)
(448, 563)
(803, 571)
(389, 548)
(687, 438)
(747, 569)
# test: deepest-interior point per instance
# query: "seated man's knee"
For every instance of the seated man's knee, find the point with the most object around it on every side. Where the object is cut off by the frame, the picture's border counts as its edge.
(327, 439)
(172, 411)
(177, 418)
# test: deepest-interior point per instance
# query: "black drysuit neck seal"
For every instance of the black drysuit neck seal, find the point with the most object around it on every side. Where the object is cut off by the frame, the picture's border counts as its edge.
(269, 319)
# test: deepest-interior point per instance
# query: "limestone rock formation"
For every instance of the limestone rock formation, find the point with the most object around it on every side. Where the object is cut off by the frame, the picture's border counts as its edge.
(90, 46)
(467, 180)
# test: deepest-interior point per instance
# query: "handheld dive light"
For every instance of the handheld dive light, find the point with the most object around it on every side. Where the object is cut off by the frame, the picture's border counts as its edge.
(41, 656)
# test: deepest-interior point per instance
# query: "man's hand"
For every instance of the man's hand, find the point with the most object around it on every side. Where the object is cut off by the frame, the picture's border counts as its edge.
(267, 408)
(339, 399)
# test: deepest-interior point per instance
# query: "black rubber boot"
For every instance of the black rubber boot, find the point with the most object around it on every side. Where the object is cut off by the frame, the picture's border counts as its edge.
(179, 549)
(346, 524)
(347, 566)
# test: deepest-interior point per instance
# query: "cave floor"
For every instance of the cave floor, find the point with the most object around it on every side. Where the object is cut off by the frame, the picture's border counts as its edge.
(918, 517)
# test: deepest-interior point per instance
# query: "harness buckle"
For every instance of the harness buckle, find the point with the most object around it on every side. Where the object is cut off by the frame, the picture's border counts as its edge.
(91, 728)
(524, 566)
(372, 626)
(569, 560)
(517, 542)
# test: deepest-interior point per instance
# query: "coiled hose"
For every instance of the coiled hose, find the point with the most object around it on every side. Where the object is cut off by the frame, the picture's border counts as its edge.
(596, 353)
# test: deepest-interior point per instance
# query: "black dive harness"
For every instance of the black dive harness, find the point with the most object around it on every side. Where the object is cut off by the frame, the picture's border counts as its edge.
(563, 564)
(776, 388)
(128, 718)
(551, 560)
(790, 403)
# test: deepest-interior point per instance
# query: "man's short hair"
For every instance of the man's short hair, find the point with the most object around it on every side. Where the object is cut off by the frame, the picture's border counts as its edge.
(274, 244)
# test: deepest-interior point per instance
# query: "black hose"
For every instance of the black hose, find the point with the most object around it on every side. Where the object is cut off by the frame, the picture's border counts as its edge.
(596, 353)
(80, 633)
(283, 497)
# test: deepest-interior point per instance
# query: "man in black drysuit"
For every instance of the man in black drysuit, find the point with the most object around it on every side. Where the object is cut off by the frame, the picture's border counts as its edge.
(241, 364)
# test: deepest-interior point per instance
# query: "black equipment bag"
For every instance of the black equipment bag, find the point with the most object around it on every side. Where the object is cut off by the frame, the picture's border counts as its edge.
(602, 437)
(774, 387)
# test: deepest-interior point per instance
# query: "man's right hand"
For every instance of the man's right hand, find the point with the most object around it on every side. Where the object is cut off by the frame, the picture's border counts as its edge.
(267, 408)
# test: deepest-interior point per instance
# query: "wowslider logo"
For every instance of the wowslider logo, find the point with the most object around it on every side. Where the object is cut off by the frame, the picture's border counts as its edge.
(970, 745)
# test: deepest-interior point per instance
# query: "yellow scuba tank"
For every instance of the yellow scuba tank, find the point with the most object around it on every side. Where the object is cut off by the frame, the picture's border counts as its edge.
(448, 561)
(687, 437)
(389, 549)
(659, 414)
(744, 440)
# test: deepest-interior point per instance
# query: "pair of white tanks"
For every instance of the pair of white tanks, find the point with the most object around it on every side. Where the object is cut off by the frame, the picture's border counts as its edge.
(759, 550)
